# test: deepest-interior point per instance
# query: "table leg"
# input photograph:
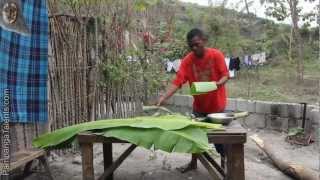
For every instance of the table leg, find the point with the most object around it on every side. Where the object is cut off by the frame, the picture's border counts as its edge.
(87, 161)
(107, 158)
(45, 164)
(26, 170)
(235, 162)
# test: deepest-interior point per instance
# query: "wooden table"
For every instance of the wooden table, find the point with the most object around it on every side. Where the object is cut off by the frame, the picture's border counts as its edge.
(26, 158)
(233, 140)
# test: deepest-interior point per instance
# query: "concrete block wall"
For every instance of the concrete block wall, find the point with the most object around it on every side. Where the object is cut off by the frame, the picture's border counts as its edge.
(264, 114)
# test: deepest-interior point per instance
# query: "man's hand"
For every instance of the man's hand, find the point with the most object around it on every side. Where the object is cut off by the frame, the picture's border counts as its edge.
(161, 100)
(222, 81)
(170, 92)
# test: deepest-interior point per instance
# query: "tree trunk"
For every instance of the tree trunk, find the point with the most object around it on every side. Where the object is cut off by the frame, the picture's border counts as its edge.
(297, 37)
(290, 45)
(247, 6)
(293, 170)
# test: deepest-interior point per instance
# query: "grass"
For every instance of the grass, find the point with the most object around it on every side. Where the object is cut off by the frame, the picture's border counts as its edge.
(275, 82)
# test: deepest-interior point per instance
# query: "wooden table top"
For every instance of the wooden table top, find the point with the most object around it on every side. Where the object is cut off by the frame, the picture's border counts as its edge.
(233, 128)
(233, 133)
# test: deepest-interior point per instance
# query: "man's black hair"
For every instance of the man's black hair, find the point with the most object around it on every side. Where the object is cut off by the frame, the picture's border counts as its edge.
(195, 32)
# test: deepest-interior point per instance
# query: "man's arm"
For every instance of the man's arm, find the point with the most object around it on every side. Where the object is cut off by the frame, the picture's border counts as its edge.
(180, 79)
(172, 89)
(222, 81)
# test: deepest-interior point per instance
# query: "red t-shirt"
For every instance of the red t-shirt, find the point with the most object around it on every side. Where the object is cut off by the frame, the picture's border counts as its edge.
(211, 67)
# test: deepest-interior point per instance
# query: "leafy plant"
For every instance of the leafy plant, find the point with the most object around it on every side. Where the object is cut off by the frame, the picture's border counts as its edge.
(295, 131)
(169, 133)
(186, 140)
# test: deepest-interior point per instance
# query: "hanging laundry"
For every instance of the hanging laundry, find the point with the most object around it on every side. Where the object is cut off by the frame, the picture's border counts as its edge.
(24, 66)
(237, 63)
(255, 59)
(231, 72)
(250, 60)
(259, 58)
(169, 66)
(234, 63)
(246, 60)
(173, 66)
(262, 58)
(227, 60)
(176, 65)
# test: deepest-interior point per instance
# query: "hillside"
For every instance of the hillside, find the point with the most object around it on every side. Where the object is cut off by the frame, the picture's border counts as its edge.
(238, 34)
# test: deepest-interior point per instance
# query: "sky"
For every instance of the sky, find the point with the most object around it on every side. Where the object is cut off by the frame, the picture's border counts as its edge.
(256, 8)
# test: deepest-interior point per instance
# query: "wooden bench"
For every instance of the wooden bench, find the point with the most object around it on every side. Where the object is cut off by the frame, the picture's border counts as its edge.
(233, 140)
(26, 158)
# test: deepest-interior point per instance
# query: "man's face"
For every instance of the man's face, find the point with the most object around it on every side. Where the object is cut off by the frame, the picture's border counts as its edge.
(197, 45)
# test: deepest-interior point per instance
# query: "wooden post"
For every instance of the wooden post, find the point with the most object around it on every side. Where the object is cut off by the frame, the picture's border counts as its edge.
(235, 162)
(107, 157)
(87, 161)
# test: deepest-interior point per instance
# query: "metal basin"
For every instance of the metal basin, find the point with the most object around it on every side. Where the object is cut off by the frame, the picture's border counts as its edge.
(221, 118)
(225, 118)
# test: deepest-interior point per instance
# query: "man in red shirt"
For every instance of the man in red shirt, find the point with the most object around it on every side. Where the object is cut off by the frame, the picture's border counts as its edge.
(202, 64)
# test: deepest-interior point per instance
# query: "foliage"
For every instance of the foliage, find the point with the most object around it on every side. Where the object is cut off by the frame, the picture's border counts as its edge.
(172, 50)
(169, 133)
(295, 131)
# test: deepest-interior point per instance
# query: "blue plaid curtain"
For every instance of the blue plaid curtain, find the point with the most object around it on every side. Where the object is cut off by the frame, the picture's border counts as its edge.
(24, 66)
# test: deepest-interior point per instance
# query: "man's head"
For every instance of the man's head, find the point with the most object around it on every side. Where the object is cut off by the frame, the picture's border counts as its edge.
(196, 40)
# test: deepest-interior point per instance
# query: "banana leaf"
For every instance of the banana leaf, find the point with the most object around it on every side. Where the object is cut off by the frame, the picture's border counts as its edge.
(198, 88)
(62, 137)
(187, 140)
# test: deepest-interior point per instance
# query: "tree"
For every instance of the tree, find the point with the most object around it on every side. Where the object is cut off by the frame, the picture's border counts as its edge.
(281, 10)
(247, 4)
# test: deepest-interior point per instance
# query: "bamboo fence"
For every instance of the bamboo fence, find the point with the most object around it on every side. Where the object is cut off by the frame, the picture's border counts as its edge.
(78, 46)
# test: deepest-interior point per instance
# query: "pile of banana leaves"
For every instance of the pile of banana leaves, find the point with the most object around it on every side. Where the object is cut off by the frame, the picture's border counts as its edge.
(170, 133)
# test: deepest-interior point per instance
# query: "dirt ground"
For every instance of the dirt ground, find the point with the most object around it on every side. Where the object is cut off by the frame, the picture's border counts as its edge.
(143, 164)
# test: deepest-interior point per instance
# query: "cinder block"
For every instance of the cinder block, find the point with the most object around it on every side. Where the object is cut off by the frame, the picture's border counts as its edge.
(170, 101)
(315, 117)
(275, 123)
(255, 121)
(181, 100)
(190, 101)
(231, 104)
(294, 110)
(278, 123)
(175, 99)
(242, 105)
(309, 109)
(251, 106)
(283, 110)
(285, 124)
(152, 99)
(183, 109)
(293, 122)
(263, 107)
(316, 133)
(275, 109)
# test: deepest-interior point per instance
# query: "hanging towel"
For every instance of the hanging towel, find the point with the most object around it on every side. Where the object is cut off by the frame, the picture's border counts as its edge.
(24, 66)
(227, 60)
(176, 65)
